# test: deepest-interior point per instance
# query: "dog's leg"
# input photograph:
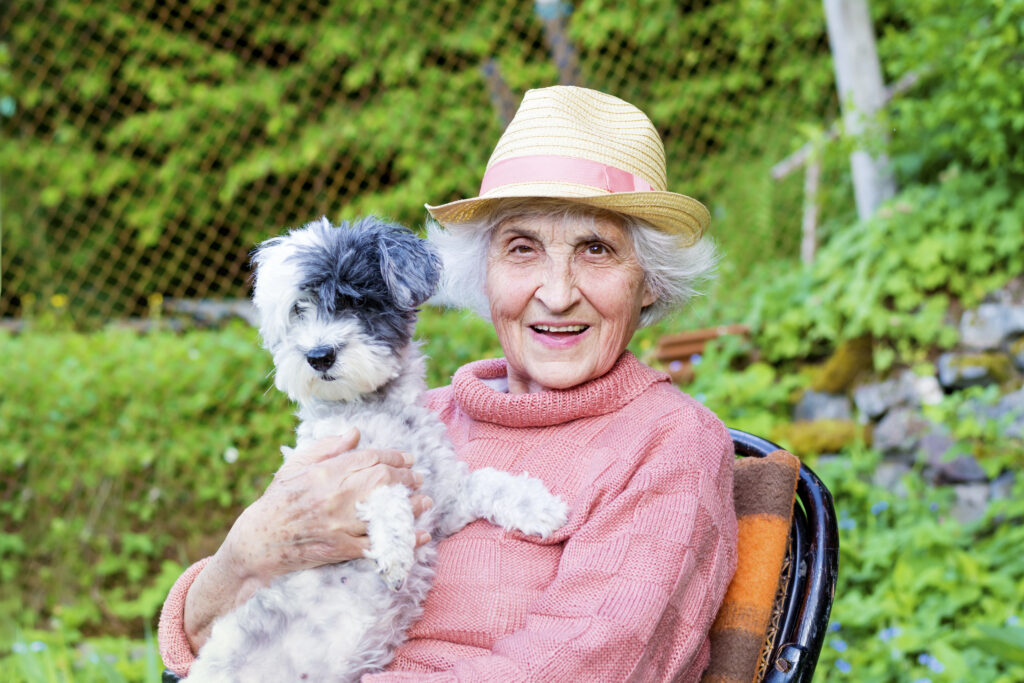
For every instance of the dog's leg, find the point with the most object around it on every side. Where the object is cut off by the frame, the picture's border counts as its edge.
(390, 526)
(510, 501)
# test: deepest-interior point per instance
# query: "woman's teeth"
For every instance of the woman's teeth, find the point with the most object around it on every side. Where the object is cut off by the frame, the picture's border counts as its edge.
(560, 329)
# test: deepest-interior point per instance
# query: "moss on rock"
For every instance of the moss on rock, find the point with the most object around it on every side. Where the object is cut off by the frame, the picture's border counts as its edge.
(852, 358)
(819, 436)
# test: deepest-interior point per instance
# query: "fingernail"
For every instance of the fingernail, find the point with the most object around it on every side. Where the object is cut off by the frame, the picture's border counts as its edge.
(417, 477)
(428, 503)
(407, 457)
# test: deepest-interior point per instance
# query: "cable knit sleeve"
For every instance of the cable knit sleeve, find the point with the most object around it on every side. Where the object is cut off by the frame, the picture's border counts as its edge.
(638, 583)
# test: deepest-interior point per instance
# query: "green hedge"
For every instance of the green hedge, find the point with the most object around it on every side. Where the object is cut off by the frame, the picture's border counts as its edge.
(119, 452)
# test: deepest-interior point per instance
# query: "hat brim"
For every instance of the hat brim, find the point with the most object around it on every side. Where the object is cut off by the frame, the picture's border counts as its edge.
(669, 212)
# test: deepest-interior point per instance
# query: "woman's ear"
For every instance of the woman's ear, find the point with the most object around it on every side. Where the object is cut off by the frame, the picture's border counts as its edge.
(649, 296)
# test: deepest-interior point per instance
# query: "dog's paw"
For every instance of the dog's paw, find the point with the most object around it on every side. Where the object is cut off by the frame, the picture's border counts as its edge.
(522, 503)
(391, 529)
(541, 513)
(395, 570)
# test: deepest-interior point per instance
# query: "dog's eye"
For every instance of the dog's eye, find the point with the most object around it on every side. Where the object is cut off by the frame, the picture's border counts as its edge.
(300, 308)
(343, 301)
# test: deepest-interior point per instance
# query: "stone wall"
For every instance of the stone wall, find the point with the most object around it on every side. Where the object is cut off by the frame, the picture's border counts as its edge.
(990, 352)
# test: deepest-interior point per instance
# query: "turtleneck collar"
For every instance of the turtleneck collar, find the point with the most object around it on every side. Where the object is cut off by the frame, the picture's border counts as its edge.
(627, 379)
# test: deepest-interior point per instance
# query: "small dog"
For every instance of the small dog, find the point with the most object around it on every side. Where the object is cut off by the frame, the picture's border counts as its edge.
(337, 307)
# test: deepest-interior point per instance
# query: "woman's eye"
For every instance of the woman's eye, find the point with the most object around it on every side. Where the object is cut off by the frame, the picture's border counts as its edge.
(597, 249)
(520, 249)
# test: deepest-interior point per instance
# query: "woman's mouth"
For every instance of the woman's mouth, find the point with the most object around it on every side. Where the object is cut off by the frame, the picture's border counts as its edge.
(559, 336)
(560, 330)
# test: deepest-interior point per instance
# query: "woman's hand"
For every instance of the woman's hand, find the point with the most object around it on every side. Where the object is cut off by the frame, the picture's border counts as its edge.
(305, 518)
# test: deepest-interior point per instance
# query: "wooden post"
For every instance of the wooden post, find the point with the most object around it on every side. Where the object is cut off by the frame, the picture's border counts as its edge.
(809, 237)
(861, 94)
(502, 99)
(554, 14)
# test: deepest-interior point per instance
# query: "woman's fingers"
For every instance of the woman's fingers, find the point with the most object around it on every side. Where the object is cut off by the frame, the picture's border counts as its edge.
(372, 468)
(364, 459)
(420, 504)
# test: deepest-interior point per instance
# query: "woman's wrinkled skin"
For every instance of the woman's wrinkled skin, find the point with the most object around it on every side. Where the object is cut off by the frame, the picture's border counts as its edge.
(565, 298)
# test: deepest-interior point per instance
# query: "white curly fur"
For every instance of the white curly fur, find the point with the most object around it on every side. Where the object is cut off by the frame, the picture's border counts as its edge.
(337, 622)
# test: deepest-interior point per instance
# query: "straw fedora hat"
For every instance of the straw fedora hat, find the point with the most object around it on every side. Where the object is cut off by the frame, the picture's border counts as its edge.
(582, 146)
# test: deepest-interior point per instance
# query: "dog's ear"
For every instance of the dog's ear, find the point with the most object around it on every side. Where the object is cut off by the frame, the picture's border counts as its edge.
(410, 266)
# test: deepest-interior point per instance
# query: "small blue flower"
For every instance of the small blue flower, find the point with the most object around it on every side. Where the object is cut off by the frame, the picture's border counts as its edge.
(675, 366)
(834, 626)
(879, 507)
(696, 358)
(923, 680)
(843, 666)
(839, 645)
(931, 662)
(847, 524)
(1012, 620)
(19, 648)
(934, 507)
(887, 634)
(701, 397)
(37, 646)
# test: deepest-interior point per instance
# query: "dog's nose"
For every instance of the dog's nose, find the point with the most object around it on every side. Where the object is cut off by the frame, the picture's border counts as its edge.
(320, 357)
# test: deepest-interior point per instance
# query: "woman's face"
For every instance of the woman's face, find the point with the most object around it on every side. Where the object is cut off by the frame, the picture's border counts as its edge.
(565, 298)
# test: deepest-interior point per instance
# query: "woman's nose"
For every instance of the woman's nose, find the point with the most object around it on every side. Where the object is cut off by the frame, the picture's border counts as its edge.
(558, 291)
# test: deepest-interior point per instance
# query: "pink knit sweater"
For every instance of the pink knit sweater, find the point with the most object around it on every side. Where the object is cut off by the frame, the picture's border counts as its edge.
(626, 590)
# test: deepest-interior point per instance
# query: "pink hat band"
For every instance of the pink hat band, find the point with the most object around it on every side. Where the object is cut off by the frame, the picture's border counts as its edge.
(559, 169)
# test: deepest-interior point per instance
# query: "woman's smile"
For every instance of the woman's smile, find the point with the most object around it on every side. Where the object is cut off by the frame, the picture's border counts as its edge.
(559, 335)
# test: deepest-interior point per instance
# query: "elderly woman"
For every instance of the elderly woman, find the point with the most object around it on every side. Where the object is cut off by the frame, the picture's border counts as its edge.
(572, 245)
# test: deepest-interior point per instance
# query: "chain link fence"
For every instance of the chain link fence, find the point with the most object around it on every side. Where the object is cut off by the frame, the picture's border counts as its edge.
(149, 144)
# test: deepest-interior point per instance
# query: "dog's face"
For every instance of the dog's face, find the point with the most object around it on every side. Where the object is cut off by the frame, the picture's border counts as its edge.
(338, 304)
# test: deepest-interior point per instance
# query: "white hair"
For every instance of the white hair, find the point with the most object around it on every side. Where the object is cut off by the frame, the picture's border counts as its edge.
(671, 270)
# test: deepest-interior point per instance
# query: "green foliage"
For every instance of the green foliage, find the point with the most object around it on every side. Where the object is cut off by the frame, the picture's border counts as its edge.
(968, 108)
(756, 399)
(120, 453)
(56, 656)
(450, 339)
(919, 593)
(894, 275)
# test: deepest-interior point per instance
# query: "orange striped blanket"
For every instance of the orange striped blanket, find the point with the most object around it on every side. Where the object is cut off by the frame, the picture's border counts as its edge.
(763, 492)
